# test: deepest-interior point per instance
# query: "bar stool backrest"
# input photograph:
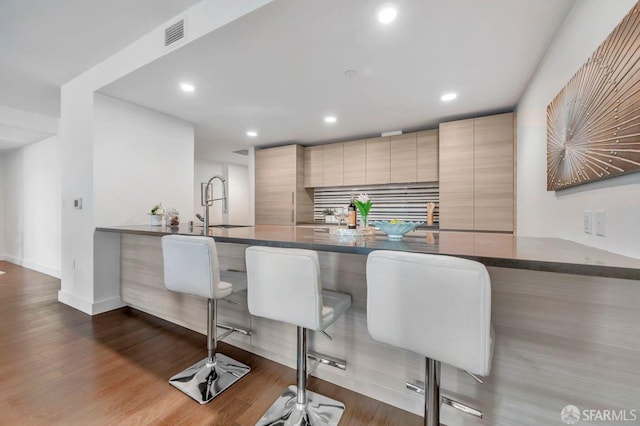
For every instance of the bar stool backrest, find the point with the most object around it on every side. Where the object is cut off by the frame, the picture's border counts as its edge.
(433, 305)
(191, 265)
(284, 284)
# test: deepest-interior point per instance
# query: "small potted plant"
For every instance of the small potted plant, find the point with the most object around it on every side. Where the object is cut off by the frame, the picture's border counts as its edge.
(156, 214)
(363, 203)
(329, 215)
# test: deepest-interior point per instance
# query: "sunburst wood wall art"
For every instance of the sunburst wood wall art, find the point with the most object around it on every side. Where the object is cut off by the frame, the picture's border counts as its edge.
(593, 125)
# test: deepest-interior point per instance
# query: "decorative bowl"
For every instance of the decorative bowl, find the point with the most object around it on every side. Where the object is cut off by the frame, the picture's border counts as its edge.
(395, 231)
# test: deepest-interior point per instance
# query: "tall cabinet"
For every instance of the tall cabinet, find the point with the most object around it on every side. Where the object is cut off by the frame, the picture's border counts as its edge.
(280, 195)
(477, 174)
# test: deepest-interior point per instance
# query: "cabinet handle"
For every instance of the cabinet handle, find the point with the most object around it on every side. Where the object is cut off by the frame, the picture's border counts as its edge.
(293, 206)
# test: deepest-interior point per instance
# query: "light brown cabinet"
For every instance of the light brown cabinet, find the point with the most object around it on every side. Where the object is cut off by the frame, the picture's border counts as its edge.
(493, 175)
(477, 174)
(354, 161)
(403, 158)
(411, 157)
(280, 196)
(333, 167)
(456, 175)
(427, 156)
(378, 164)
(313, 166)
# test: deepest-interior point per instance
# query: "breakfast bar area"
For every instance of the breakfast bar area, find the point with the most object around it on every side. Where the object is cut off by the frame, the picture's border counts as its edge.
(563, 315)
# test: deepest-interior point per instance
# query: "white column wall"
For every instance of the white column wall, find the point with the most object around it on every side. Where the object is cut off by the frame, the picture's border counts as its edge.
(31, 206)
(141, 158)
(560, 214)
(77, 114)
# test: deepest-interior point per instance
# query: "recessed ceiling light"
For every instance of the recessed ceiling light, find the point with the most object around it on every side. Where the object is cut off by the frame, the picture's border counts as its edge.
(252, 133)
(187, 87)
(330, 119)
(387, 14)
(350, 73)
(448, 97)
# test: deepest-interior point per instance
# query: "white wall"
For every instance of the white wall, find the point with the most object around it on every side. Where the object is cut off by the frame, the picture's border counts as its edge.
(560, 214)
(32, 206)
(2, 205)
(141, 158)
(79, 283)
(238, 178)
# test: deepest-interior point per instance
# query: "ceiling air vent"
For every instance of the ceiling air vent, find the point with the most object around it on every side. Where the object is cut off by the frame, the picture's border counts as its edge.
(174, 33)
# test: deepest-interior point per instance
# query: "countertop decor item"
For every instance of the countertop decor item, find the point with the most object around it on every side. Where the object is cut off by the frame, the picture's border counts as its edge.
(172, 217)
(395, 230)
(363, 204)
(592, 124)
(431, 209)
(156, 213)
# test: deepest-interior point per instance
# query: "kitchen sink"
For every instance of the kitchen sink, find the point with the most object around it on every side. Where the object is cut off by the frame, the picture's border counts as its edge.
(225, 226)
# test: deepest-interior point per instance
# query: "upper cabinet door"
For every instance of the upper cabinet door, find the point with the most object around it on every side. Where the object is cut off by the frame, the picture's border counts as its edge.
(378, 164)
(428, 156)
(403, 154)
(313, 166)
(333, 170)
(493, 173)
(456, 175)
(354, 161)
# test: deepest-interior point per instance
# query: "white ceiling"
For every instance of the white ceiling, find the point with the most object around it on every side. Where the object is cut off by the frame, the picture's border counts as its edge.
(280, 69)
(45, 43)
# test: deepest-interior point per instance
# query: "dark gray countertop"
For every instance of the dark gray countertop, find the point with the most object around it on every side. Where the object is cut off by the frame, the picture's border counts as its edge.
(491, 249)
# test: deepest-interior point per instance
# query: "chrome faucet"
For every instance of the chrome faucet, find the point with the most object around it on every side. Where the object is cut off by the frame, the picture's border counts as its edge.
(206, 199)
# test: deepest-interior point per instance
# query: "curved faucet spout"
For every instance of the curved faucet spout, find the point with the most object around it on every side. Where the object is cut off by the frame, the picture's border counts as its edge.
(207, 199)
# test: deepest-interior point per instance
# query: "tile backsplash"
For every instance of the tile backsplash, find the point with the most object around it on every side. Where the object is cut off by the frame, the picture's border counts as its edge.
(393, 201)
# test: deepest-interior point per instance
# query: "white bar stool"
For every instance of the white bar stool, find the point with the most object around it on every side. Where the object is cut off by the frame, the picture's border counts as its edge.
(284, 285)
(191, 266)
(436, 306)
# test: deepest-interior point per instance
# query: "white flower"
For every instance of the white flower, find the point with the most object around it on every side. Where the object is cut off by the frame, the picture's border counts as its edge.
(363, 198)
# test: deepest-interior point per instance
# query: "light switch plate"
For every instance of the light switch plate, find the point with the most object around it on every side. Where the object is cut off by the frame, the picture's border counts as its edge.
(77, 203)
(601, 219)
(587, 221)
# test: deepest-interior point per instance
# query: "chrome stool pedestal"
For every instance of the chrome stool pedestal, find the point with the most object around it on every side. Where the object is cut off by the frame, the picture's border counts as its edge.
(298, 406)
(207, 378)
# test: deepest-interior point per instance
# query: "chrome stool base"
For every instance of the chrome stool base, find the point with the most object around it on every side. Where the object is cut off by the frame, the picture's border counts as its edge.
(203, 381)
(319, 410)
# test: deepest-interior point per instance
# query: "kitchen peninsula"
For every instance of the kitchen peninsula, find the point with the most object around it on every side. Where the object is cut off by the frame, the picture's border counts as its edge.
(543, 290)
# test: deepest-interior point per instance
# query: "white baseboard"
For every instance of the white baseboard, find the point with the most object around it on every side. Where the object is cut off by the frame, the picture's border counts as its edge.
(107, 305)
(88, 307)
(56, 273)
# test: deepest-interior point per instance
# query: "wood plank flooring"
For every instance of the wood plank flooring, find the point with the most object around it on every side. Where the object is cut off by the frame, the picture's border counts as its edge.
(60, 366)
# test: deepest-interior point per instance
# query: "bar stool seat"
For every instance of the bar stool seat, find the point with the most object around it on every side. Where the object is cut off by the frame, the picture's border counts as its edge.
(436, 306)
(191, 267)
(334, 304)
(284, 285)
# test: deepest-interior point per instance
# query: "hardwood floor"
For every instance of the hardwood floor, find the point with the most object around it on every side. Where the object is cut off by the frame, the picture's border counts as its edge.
(60, 366)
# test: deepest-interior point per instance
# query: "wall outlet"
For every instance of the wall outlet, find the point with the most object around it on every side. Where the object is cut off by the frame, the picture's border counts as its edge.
(601, 220)
(587, 222)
